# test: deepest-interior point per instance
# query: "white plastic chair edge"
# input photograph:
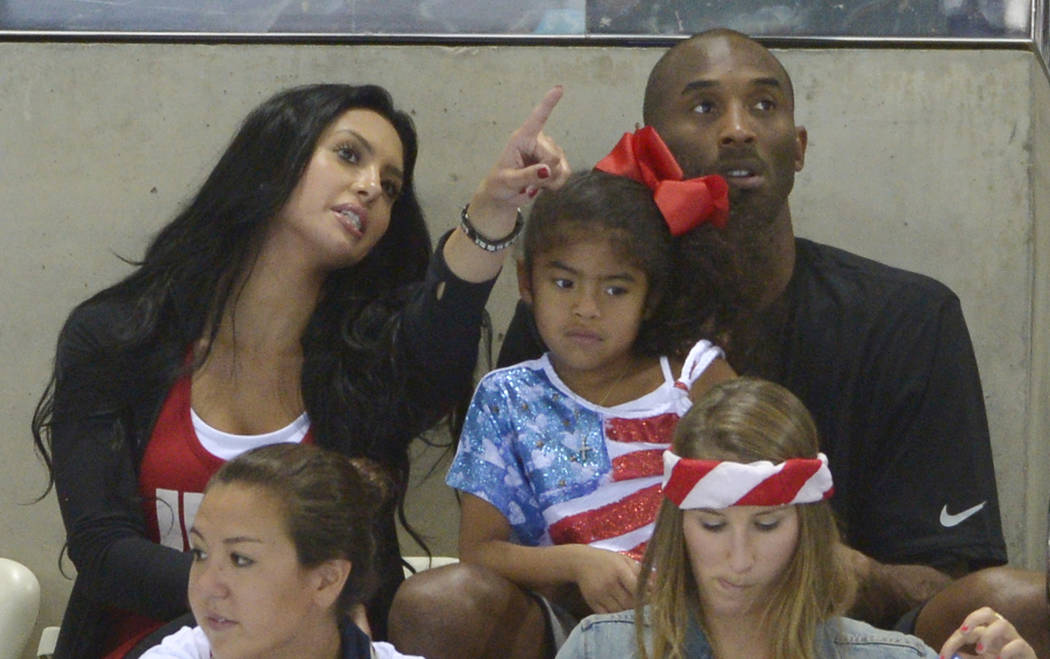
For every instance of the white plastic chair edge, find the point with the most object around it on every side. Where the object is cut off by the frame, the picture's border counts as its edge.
(19, 605)
(48, 640)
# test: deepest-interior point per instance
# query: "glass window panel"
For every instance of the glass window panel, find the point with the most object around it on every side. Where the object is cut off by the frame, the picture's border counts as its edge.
(811, 18)
(873, 18)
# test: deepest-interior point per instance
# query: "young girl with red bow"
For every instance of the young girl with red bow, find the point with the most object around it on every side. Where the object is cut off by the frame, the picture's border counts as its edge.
(559, 459)
(743, 559)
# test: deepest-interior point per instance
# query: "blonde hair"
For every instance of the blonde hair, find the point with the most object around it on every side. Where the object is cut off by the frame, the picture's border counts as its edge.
(745, 420)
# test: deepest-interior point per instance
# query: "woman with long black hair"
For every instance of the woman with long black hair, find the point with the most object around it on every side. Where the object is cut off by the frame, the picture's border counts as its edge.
(295, 298)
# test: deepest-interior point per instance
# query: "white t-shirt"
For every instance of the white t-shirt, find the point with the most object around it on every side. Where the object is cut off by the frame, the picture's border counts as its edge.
(193, 644)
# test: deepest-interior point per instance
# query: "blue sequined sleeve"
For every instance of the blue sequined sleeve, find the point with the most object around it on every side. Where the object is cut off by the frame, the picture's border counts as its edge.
(487, 462)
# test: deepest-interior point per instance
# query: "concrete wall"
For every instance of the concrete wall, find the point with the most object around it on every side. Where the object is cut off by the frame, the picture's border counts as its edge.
(937, 161)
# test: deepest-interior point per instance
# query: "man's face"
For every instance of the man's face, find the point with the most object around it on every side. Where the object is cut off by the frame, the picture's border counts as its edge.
(725, 107)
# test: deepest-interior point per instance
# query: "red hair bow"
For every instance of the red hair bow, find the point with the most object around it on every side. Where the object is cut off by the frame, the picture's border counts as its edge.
(643, 157)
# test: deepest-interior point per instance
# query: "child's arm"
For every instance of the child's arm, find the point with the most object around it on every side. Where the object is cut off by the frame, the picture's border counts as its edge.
(606, 579)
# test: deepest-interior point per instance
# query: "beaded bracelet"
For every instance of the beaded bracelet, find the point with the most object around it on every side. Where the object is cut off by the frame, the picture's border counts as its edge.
(485, 243)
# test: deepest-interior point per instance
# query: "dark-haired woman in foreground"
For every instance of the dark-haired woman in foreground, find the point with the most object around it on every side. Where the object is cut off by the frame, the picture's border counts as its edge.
(295, 299)
(282, 551)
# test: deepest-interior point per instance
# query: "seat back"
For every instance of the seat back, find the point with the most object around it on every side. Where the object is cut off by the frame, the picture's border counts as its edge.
(19, 605)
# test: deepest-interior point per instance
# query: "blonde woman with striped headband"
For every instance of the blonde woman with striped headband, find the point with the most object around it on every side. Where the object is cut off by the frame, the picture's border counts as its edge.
(744, 561)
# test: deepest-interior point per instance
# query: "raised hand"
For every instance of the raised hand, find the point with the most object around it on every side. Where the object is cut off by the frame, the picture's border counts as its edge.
(530, 162)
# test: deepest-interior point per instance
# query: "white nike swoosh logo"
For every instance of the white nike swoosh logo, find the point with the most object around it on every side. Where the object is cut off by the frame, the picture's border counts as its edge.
(948, 520)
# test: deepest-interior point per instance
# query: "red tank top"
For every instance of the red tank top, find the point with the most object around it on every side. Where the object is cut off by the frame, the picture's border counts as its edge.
(175, 469)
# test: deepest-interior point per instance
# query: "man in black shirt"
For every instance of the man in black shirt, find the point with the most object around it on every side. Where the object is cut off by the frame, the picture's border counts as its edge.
(881, 357)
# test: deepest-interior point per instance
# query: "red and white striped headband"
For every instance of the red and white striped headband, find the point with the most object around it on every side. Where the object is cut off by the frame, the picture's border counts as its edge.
(720, 484)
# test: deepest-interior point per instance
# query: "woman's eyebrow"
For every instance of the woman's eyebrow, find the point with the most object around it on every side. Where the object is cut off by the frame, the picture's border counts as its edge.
(228, 541)
(367, 146)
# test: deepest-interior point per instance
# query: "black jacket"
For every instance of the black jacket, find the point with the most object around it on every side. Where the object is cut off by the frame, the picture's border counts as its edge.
(105, 406)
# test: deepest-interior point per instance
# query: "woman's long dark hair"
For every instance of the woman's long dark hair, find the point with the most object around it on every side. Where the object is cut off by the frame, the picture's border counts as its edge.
(193, 267)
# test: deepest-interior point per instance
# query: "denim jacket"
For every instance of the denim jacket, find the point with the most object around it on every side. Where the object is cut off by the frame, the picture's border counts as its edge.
(612, 635)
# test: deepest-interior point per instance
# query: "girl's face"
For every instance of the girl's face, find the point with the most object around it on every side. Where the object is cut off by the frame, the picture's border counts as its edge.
(341, 206)
(589, 304)
(247, 589)
(738, 555)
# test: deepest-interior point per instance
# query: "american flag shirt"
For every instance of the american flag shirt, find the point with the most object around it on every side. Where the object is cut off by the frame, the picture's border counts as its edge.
(564, 470)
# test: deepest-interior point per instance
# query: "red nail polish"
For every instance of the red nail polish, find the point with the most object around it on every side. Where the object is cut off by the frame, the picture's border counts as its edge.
(533, 192)
(523, 191)
(980, 647)
(544, 172)
(964, 628)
